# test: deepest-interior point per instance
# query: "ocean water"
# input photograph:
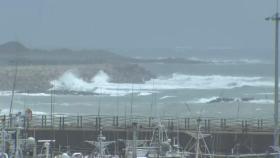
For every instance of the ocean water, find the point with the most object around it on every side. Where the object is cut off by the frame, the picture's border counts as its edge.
(232, 83)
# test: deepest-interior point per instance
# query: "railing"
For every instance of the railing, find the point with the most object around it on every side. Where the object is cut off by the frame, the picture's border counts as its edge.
(244, 125)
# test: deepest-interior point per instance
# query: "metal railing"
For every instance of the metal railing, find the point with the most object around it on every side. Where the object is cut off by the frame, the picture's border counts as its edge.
(174, 123)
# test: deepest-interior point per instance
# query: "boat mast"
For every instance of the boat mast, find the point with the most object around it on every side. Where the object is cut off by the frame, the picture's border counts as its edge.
(197, 148)
(276, 108)
(13, 93)
(276, 18)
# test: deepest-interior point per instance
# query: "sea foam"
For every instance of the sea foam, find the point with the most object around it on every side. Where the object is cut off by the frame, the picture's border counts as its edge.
(101, 84)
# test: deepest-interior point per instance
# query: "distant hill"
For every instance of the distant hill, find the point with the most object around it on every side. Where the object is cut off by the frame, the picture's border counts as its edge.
(37, 67)
(12, 47)
(16, 52)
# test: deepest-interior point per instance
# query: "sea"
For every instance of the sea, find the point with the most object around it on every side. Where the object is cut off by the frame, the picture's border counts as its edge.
(227, 83)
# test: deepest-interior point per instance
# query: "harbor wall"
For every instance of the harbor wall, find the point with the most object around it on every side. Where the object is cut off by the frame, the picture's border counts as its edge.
(216, 142)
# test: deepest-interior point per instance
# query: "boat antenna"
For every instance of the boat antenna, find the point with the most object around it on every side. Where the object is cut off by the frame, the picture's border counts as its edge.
(13, 93)
(276, 18)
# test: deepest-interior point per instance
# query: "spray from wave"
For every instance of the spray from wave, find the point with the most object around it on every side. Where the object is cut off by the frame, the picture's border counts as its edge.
(100, 83)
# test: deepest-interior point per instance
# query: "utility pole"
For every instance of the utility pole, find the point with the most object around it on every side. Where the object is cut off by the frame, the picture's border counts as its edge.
(276, 19)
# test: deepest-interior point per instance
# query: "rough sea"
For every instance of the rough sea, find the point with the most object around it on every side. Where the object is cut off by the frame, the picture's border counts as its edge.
(227, 83)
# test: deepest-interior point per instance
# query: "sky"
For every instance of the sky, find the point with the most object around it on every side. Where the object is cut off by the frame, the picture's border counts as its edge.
(85, 24)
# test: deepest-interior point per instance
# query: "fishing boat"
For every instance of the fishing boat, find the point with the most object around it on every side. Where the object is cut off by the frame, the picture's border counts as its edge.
(100, 147)
(14, 143)
(141, 149)
(160, 145)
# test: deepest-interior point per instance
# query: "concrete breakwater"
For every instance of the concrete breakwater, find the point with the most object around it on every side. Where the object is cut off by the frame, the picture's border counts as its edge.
(226, 135)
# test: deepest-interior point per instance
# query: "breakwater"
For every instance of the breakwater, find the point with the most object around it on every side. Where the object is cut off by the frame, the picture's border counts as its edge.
(227, 135)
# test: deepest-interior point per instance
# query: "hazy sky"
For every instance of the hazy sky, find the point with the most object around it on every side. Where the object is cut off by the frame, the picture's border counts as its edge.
(138, 23)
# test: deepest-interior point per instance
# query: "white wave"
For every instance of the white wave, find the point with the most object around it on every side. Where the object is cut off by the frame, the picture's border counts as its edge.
(204, 100)
(181, 81)
(5, 93)
(101, 83)
(145, 93)
(9, 93)
(166, 97)
(251, 61)
(34, 94)
(216, 99)
(101, 78)
(217, 61)
(112, 92)
(39, 113)
(229, 61)
(70, 82)
(238, 61)
(262, 101)
(266, 93)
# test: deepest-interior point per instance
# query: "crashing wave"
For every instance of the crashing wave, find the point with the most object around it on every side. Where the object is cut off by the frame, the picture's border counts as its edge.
(100, 83)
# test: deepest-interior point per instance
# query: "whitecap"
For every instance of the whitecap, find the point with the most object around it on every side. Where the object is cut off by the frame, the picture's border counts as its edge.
(166, 97)
(5, 93)
(262, 101)
(101, 84)
(9, 93)
(145, 93)
(204, 100)
(34, 94)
